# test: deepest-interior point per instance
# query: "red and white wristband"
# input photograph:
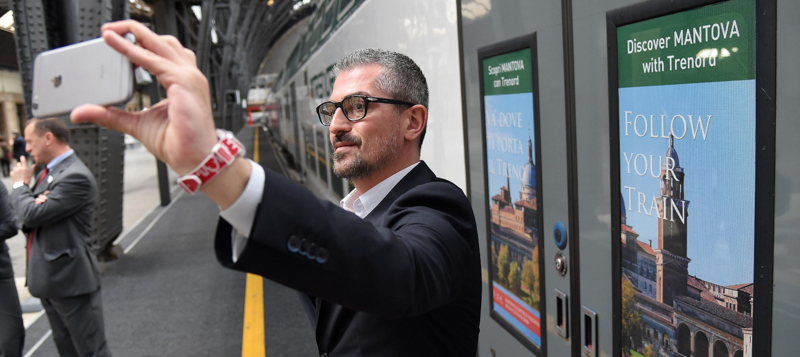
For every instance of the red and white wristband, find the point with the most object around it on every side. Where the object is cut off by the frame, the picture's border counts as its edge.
(222, 155)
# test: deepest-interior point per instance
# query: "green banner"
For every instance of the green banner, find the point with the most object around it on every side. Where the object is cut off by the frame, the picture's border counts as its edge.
(710, 44)
(508, 73)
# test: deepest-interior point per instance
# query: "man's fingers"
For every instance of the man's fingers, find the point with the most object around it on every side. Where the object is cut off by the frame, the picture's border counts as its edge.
(23, 161)
(144, 37)
(138, 55)
(111, 118)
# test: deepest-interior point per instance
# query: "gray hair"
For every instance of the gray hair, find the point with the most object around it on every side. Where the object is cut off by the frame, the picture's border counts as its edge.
(401, 77)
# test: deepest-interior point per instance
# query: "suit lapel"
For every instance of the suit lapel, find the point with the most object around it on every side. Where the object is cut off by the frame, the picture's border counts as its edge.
(54, 174)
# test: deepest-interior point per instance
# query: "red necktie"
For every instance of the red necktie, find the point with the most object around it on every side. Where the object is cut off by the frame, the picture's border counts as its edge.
(30, 235)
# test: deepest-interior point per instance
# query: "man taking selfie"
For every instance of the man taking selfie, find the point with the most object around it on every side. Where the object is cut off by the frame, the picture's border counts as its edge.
(394, 269)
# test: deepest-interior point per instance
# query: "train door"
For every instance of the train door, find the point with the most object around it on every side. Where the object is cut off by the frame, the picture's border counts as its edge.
(514, 97)
(628, 157)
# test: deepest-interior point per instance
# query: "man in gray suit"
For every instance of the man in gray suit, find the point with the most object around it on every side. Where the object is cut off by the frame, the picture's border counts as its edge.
(56, 214)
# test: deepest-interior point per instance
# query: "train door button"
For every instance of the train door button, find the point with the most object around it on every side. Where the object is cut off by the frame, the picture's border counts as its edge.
(561, 264)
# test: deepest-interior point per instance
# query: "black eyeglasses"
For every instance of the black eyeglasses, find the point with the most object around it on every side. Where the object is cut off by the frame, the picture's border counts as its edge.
(354, 107)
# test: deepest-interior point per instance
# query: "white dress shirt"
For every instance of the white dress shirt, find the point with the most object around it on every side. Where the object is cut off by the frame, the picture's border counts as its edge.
(242, 212)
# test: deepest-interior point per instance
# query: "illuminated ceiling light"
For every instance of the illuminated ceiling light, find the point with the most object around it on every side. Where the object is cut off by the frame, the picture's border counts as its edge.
(198, 12)
(270, 2)
(7, 21)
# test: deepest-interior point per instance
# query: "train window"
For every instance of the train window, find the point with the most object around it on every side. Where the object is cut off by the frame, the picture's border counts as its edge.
(294, 59)
(306, 47)
(344, 8)
(316, 26)
(327, 24)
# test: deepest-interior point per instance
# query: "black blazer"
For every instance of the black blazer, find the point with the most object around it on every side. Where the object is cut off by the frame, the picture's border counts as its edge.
(404, 281)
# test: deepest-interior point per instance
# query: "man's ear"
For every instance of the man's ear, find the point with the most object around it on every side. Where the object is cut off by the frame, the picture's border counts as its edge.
(48, 137)
(417, 117)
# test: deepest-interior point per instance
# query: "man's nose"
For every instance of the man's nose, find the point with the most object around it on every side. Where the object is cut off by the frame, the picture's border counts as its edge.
(339, 122)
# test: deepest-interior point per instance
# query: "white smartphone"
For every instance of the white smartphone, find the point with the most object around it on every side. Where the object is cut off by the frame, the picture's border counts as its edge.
(89, 72)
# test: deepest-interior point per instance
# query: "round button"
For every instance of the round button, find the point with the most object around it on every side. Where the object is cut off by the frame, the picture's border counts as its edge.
(305, 245)
(312, 252)
(293, 244)
(561, 264)
(322, 255)
(560, 235)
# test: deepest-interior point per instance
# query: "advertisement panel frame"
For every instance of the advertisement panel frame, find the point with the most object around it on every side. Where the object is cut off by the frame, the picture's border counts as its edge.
(765, 71)
(513, 45)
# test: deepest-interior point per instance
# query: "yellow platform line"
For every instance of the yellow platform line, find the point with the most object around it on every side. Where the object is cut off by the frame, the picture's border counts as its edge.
(253, 343)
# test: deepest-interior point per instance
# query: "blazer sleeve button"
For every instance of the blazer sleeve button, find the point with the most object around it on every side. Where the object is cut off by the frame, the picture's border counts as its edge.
(322, 255)
(312, 252)
(304, 246)
(293, 244)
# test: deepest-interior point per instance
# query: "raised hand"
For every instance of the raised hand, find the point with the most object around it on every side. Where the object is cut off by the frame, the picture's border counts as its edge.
(22, 172)
(179, 130)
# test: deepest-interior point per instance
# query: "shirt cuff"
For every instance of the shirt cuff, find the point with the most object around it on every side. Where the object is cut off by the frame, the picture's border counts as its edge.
(242, 213)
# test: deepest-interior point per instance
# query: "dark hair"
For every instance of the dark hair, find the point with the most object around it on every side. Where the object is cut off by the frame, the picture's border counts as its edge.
(53, 125)
(400, 77)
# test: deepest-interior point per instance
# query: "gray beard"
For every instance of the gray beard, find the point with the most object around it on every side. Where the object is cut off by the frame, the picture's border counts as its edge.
(359, 168)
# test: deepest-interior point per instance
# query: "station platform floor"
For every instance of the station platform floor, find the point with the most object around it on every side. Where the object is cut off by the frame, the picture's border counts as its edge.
(168, 296)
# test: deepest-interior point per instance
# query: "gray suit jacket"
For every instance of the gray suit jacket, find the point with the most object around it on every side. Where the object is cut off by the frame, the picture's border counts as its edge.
(61, 263)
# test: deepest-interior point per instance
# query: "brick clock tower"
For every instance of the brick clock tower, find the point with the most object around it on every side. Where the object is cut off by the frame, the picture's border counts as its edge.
(672, 264)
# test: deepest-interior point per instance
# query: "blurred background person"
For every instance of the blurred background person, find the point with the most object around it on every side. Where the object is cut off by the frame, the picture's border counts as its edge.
(5, 160)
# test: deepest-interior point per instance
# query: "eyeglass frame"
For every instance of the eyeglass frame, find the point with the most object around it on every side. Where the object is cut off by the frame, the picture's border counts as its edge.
(367, 100)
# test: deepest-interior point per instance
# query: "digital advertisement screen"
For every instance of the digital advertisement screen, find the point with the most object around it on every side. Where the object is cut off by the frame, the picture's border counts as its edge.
(687, 156)
(512, 193)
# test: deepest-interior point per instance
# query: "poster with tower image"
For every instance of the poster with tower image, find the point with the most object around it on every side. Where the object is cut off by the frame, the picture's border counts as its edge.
(513, 217)
(687, 121)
